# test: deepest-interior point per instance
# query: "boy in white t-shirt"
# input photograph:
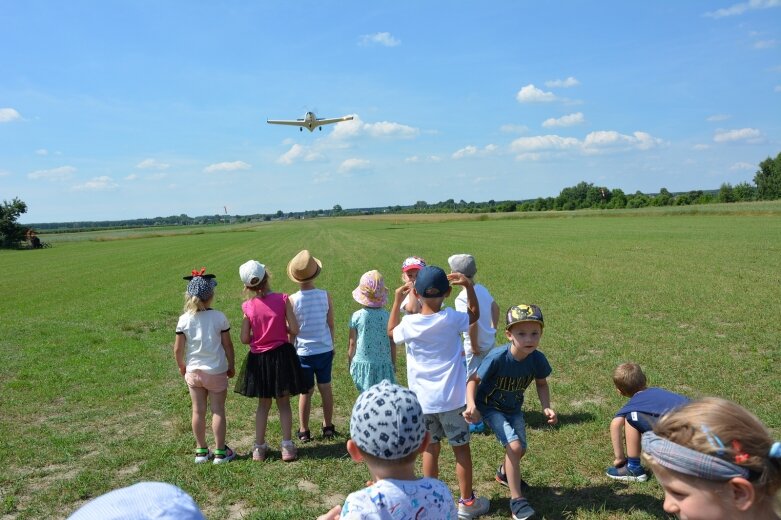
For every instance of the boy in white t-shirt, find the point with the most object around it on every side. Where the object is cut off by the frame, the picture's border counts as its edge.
(437, 374)
(482, 334)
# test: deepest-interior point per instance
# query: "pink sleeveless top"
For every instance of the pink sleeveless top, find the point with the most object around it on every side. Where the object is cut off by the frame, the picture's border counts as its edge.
(268, 322)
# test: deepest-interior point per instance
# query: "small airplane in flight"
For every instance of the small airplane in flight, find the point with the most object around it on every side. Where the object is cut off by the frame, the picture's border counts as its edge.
(310, 121)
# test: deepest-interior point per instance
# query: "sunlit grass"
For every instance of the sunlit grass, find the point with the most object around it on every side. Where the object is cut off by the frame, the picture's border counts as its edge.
(92, 400)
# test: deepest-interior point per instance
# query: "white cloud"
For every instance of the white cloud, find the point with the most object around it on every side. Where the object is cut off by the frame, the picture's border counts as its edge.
(356, 127)
(777, 88)
(700, 147)
(543, 143)
(349, 165)
(528, 156)
(717, 117)
(148, 164)
(102, 183)
(562, 83)
(471, 150)
(131, 177)
(418, 159)
(532, 94)
(742, 134)
(765, 44)
(742, 166)
(568, 120)
(299, 152)
(227, 167)
(42, 151)
(62, 173)
(385, 39)
(514, 129)
(4, 173)
(603, 140)
(742, 7)
(9, 114)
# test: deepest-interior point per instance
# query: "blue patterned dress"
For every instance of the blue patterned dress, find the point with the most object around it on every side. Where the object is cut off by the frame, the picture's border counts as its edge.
(372, 362)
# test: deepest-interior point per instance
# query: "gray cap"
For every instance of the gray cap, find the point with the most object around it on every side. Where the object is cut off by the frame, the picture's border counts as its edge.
(464, 264)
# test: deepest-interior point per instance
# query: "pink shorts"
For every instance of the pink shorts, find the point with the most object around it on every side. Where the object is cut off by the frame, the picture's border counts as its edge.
(212, 382)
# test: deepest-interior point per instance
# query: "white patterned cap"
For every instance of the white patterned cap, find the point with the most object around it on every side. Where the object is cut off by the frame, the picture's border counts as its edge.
(387, 421)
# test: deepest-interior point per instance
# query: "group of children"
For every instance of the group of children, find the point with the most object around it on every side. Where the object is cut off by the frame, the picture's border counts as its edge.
(457, 382)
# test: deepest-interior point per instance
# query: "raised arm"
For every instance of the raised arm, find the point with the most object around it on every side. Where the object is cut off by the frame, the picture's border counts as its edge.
(398, 296)
(472, 307)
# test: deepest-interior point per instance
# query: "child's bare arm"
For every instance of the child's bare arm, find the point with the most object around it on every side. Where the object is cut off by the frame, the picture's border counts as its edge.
(398, 296)
(617, 440)
(494, 314)
(329, 318)
(179, 353)
(351, 346)
(227, 345)
(292, 322)
(246, 331)
(471, 414)
(472, 307)
(393, 352)
(543, 392)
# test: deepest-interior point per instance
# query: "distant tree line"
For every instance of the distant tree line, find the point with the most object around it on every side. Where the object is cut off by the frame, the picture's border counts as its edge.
(584, 195)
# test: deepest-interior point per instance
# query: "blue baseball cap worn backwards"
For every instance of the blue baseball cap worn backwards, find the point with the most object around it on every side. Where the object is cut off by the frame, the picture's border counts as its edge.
(431, 282)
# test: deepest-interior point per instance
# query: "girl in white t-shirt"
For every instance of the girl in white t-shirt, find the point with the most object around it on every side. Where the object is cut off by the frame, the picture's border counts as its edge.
(204, 353)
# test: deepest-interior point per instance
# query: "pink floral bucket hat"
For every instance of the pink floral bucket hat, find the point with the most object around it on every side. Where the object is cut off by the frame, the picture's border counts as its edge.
(371, 291)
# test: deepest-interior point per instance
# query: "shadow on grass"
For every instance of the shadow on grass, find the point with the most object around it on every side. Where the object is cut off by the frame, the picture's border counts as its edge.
(535, 419)
(331, 450)
(566, 503)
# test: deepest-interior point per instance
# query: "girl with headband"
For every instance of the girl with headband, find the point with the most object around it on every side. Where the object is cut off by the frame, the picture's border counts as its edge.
(715, 461)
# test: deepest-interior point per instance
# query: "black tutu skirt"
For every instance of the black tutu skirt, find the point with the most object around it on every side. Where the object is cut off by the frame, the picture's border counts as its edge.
(275, 373)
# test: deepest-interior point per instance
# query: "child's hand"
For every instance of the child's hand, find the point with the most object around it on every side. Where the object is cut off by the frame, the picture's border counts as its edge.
(472, 415)
(231, 372)
(404, 289)
(551, 415)
(182, 370)
(333, 514)
(458, 279)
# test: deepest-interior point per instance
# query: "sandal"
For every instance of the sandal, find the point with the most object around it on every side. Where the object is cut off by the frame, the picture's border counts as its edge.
(202, 455)
(304, 436)
(329, 432)
(224, 455)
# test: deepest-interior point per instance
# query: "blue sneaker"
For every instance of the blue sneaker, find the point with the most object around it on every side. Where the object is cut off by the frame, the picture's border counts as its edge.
(477, 427)
(521, 509)
(627, 475)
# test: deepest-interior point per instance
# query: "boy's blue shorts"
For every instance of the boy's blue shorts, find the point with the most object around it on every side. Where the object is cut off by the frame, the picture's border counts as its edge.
(319, 365)
(641, 421)
(506, 427)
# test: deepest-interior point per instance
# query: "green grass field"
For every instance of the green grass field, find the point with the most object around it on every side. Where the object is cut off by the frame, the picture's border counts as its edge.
(91, 398)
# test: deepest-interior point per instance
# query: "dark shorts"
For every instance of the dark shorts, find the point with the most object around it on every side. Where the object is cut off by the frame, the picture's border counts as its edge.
(317, 365)
(641, 421)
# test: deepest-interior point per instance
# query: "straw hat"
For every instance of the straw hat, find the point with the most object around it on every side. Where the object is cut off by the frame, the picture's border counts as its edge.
(371, 292)
(303, 267)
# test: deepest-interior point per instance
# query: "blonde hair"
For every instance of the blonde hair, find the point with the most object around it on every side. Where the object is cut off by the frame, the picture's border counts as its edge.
(629, 378)
(746, 440)
(193, 304)
(260, 290)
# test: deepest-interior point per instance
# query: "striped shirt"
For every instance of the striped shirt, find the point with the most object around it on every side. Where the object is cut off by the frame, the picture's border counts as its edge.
(311, 309)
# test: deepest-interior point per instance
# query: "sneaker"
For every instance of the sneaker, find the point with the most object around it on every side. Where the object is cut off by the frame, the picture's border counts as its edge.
(626, 474)
(289, 452)
(259, 452)
(521, 509)
(501, 478)
(472, 507)
(224, 455)
(477, 427)
(202, 455)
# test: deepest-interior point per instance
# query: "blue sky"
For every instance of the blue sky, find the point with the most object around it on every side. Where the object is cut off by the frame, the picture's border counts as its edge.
(130, 109)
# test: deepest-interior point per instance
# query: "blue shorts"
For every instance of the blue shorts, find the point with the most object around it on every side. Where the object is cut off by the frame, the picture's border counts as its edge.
(317, 365)
(506, 427)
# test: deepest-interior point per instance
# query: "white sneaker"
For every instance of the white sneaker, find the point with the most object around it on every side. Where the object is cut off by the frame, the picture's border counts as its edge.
(202, 455)
(473, 507)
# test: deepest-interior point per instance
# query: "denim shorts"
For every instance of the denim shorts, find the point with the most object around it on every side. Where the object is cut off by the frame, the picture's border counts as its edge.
(317, 365)
(448, 425)
(506, 427)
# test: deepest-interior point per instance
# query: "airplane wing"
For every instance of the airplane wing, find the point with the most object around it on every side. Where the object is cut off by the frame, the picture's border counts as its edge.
(296, 122)
(335, 120)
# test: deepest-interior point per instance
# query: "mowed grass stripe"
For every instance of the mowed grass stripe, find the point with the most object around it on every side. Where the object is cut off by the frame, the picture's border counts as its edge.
(93, 401)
